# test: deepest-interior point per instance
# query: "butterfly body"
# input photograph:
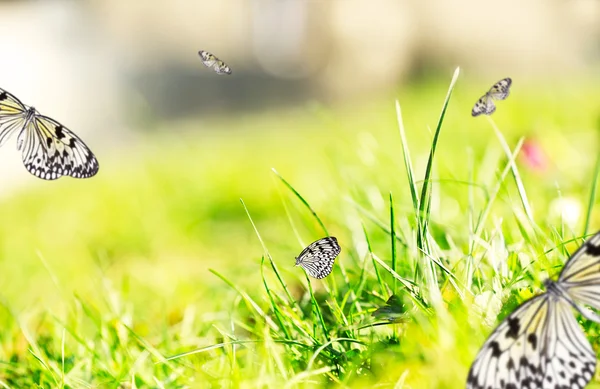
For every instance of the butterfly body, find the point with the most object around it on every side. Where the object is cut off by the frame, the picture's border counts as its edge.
(498, 91)
(49, 149)
(541, 345)
(319, 256)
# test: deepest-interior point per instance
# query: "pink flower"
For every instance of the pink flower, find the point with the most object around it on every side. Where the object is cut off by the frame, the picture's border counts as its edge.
(533, 155)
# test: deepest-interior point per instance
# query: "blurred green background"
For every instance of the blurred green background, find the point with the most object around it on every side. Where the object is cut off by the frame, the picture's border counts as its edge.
(104, 278)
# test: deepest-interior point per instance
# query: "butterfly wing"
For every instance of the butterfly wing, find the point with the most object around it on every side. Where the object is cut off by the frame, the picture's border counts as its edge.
(208, 59)
(211, 61)
(568, 359)
(485, 105)
(318, 257)
(50, 151)
(540, 345)
(580, 276)
(501, 89)
(222, 68)
(12, 115)
(10, 104)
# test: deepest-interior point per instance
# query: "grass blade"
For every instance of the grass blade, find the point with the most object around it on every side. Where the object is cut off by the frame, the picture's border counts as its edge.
(251, 303)
(592, 200)
(407, 163)
(424, 200)
(515, 173)
(291, 300)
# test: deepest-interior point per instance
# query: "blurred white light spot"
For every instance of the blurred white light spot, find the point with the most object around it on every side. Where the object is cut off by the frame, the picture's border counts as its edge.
(566, 208)
(486, 308)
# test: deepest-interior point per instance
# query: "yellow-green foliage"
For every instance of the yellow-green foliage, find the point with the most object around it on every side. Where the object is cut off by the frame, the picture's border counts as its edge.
(114, 270)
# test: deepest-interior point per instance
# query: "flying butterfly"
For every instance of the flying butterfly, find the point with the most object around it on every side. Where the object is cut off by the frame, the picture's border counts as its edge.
(210, 61)
(318, 257)
(499, 91)
(541, 345)
(49, 149)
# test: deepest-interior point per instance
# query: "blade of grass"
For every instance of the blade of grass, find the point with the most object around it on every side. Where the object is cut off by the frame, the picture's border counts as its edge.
(312, 359)
(251, 303)
(379, 279)
(291, 300)
(494, 192)
(317, 309)
(407, 162)
(62, 358)
(224, 344)
(592, 200)
(302, 378)
(409, 285)
(274, 307)
(515, 173)
(393, 233)
(299, 196)
(424, 200)
(471, 200)
(289, 215)
(376, 221)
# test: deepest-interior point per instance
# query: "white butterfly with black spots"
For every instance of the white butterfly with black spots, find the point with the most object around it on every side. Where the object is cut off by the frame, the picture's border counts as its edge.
(318, 257)
(541, 345)
(210, 61)
(49, 149)
(499, 91)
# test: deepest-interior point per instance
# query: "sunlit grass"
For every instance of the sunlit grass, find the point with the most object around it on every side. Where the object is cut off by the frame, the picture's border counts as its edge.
(154, 274)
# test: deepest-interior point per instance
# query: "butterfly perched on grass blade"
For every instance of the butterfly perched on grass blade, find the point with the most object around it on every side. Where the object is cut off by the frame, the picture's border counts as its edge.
(49, 149)
(210, 61)
(318, 257)
(499, 91)
(541, 345)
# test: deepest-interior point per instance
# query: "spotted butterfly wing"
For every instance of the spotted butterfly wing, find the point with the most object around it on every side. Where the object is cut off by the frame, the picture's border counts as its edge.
(541, 345)
(211, 61)
(485, 104)
(498, 91)
(318, 257)
(580, 276)
(11, 115)
(49, 150)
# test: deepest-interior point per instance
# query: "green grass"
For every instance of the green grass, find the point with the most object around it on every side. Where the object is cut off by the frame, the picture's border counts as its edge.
(155, 275)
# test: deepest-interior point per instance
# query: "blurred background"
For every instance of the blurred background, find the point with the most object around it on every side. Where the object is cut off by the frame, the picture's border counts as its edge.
(132, 66)
(312, 95)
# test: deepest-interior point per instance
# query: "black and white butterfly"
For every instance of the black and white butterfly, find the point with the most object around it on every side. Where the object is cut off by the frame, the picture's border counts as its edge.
(210, 61)
(49, 149)
(499, 91)
(317, 259)
(541, 345)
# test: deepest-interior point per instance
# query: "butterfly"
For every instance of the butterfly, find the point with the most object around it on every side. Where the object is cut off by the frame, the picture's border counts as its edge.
(49, 149)
(318, 257)
(394, 310)
(540, 345)
(499, 91)
(210, 61)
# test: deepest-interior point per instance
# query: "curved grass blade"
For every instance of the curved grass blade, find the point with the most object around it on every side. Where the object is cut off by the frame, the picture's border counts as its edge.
(291, 300)
(425, 199)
